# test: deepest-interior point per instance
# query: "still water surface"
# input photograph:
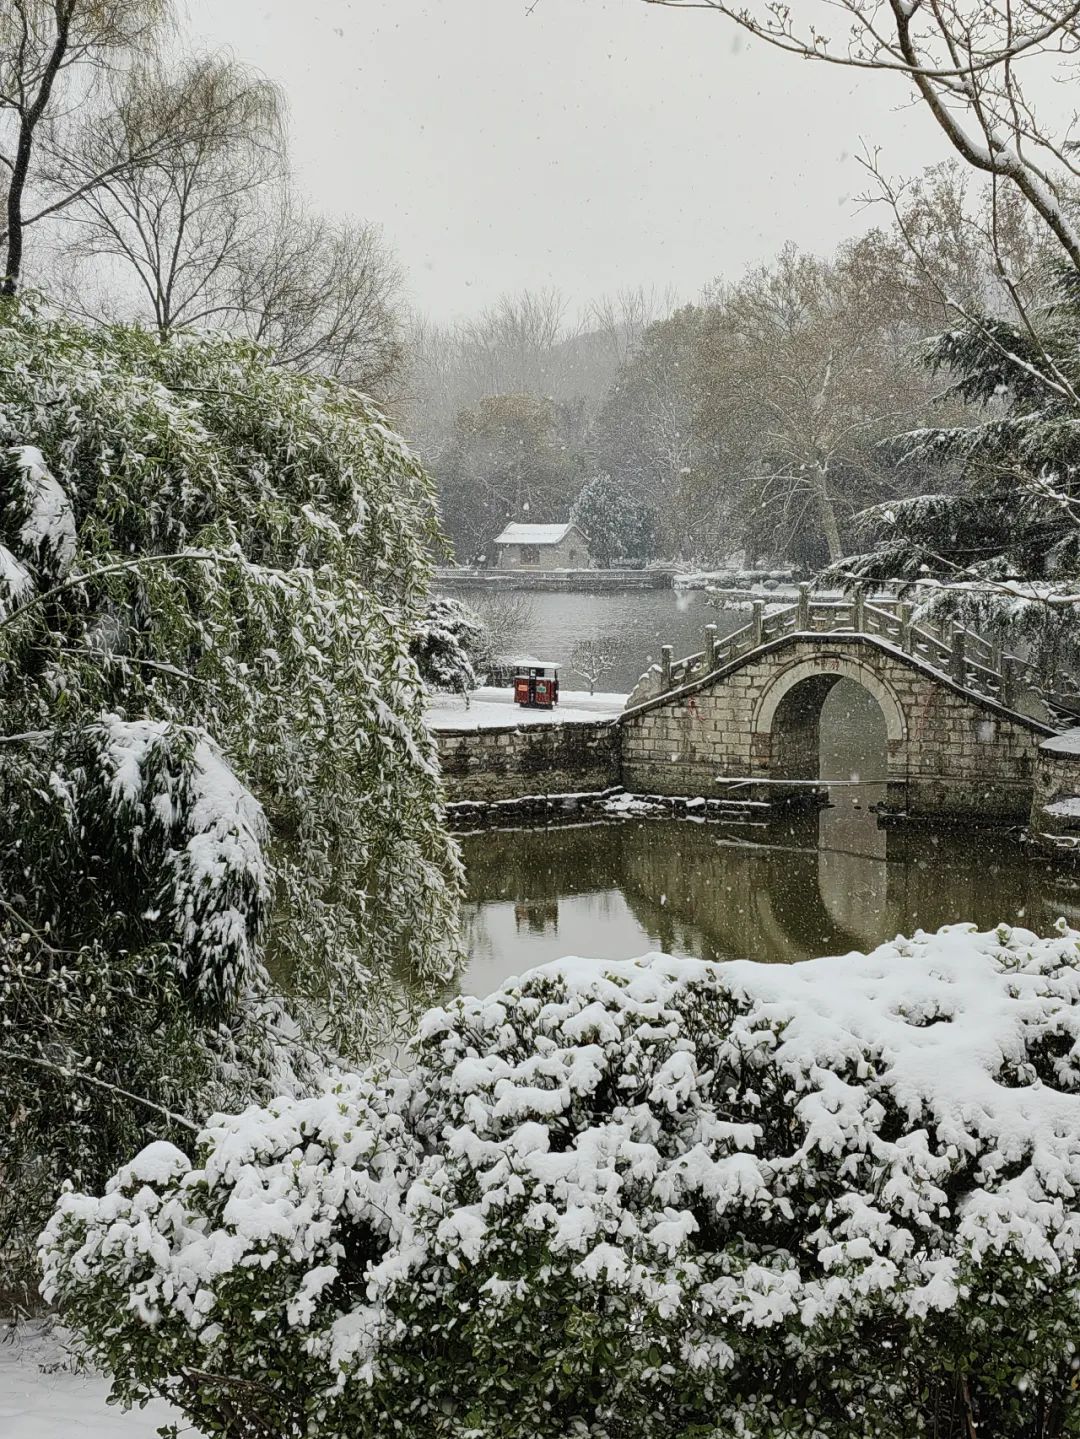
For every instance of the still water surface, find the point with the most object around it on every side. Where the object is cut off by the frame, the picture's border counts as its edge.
(633, 624)
(825, 882)
(820, 883)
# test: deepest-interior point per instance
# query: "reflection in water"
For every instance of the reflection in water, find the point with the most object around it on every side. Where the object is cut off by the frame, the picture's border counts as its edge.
(813, 883)
(617, 890)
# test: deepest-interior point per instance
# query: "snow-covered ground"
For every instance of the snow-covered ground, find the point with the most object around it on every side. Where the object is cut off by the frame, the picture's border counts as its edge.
(490, 708)
(42, 1397)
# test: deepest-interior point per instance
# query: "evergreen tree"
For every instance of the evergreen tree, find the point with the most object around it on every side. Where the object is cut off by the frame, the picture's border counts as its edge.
(1002, 552)
(213, 761)
(446, 645)
(619, 523)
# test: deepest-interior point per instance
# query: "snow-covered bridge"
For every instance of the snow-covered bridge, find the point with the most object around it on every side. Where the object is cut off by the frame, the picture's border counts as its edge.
(963, 721)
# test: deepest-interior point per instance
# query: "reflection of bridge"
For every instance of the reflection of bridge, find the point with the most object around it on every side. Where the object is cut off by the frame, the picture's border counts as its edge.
(695, 889)
(963, 720)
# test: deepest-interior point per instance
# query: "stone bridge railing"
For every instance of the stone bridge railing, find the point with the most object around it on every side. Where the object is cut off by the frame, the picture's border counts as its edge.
(960, 654)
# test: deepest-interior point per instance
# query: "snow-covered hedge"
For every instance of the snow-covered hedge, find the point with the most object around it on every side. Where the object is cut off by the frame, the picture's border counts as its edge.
(653, 1198)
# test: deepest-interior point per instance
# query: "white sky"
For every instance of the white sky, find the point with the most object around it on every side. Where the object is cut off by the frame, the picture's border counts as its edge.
(589, 145)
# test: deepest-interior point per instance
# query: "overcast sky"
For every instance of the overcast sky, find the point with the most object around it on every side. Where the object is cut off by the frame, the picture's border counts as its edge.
(588, 145)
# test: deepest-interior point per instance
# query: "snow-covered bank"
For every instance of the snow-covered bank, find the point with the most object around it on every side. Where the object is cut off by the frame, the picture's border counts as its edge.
(43, 1397)
(491, 707)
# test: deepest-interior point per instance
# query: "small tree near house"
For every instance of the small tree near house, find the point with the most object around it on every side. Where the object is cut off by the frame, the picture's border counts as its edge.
(445, 646)
(592, 660)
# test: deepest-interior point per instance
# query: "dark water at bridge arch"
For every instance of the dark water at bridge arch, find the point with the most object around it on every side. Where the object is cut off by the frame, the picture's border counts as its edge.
(818, 883)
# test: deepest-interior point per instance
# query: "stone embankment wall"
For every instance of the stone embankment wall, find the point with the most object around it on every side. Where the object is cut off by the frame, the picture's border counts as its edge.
(1055, 809)
(509, 763)
(588, 582)
(949, 753)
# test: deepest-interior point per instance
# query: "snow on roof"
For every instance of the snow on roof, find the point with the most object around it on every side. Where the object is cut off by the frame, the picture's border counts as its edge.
(528, 662)
(1067, 743)
(534, 534)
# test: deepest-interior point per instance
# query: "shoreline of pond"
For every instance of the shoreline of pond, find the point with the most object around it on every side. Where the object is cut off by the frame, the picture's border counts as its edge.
(818, 882)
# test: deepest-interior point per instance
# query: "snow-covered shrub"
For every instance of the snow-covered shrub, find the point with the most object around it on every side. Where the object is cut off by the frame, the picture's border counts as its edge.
(445, 646)
(633, 1200)
(280, 1219)
(213, 761)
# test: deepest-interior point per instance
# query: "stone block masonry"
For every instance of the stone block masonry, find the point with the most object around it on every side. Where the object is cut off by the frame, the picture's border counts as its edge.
(513, 762)
(950, 752)
(1055, 808)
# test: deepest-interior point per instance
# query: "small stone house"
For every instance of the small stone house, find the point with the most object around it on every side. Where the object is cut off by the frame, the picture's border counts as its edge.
(542, 547)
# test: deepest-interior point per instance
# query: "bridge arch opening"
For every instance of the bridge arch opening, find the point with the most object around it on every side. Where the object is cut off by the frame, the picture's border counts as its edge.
(828, 720)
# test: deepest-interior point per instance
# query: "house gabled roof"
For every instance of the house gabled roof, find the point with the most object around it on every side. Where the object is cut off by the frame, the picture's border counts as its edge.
(534, 534)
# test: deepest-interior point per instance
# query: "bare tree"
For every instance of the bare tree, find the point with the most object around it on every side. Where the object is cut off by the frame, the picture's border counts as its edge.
(620, 320)
(324, 295)
(592, 660)
(430, 382)
(514, 346)
(962, 246)
(182, 221)
(976, 66)
(215, 237)
(527, 343)
(56, 57)
(808, 364)
(505, 616)
(969, 62)
(521, 345)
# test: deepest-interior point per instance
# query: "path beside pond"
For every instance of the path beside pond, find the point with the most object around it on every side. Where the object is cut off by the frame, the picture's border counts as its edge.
(494, 708)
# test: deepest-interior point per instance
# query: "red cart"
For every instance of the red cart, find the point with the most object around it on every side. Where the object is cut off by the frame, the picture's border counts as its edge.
(536, 686)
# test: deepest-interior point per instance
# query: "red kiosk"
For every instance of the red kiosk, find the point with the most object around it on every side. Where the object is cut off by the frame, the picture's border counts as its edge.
(536, 684)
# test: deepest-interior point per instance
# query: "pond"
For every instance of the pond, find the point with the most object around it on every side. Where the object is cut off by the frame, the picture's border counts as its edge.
(824, 882)
(634, 623)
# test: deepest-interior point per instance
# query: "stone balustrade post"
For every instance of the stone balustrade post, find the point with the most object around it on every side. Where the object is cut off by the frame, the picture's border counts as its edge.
(858, 610)
(1008, 682)
(907, 630)
(958, 658)
(804, 608)
(710, 647)
(757, 623)
(665, 667)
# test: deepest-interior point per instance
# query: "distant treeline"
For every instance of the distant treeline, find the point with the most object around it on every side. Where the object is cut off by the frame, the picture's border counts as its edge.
(757, 418)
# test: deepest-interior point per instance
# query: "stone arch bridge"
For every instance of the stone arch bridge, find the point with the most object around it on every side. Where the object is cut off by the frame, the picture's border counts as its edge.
(964, 722)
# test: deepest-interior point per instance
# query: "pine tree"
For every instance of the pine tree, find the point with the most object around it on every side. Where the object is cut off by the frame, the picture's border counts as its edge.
(446, 646)
(1001, 549)
(619, 523)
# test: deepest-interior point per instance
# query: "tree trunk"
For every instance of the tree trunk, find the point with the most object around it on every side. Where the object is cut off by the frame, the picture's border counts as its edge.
(829, 527)
(28, 123)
